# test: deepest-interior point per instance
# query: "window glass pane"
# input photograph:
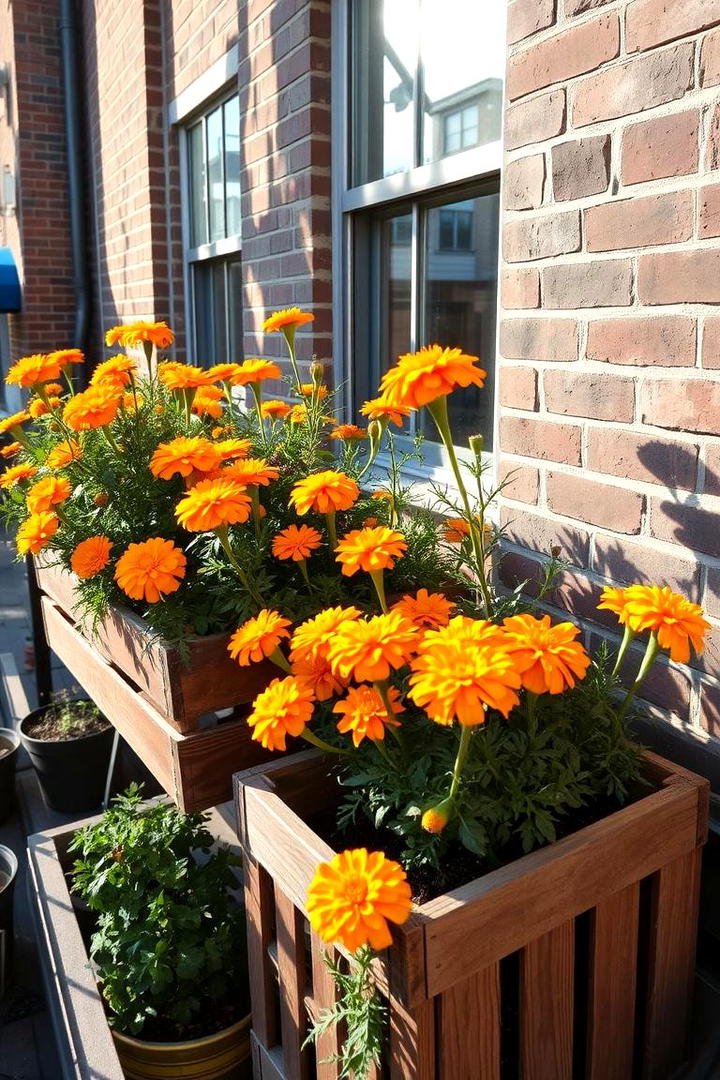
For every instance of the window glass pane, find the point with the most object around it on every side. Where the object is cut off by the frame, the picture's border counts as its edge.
(210, 313)
(385, 64)
(219, 303)
(396, 261)
(462, 47)
(232, 166)
(196, 171)
(235, 306)
(214, 127)
(459, 302)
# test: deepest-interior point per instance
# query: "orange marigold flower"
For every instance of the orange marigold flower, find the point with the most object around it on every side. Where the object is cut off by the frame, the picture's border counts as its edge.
(176, 376)
(255, 370)
(38, 407)
(306, 390)
(455, 530)
(298, 414)
(367, 650)
(47, 492)
(184, 456)
(312, 637)
(276, 410)
(614, 600)
(547, 657)
(151, 569)
(54, 388)
(36, 532)
(10, 450)
(16, 474)
(380, 409)
(223, 372)
(133, 401)
(352, 898)
(288, 319)
(30, 370)
(258, 638)
(16, 420)
(118, 371)
(363, 712)
(251, 471)
(324, 492)
(207, 402)
(232, 448)
(297, 542)
(348, 432)
(319, 676)
(91, 556)
(370, 550)
(677, 622)
(425, 609)
(383, 496)
(422, 377)
(93, 408)
(435, 819)
(283, 709)
(212, 504)
(63, 454)
(129, 334)
(370, 523)
(65, 357)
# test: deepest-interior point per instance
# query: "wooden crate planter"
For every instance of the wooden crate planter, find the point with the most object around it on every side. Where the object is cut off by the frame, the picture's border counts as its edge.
(574, 961)
(159, 706)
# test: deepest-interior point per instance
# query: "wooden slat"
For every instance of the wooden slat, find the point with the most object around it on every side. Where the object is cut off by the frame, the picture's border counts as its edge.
(259, 907)
(266, 1063)
(468, 1030)
(204, 763)
(673, 930)
(412, 1042)
(612, 986)
(325, 995)
(547, 976)
(291, 978)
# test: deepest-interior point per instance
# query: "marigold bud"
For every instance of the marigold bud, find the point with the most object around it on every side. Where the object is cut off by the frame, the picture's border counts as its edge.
(436, 818)
(317, 371)
(477, 445)
(375, 431)
(101, 499)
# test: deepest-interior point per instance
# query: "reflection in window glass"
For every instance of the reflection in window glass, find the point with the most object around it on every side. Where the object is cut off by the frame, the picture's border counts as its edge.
(214, 133)
(217, 311)
(231, 111)
(396, 260)
(198, 188)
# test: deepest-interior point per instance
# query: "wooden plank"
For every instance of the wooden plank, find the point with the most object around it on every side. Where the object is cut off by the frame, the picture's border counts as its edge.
(673, 931)
(18, 705)
(547, 975)
(412, 1041)
(259, 907)
(204, 762)
(469, 1028)
(657, 765)
(612, 986)
(266, 1063)
(474, 926)
(290, 935)
(324, 994)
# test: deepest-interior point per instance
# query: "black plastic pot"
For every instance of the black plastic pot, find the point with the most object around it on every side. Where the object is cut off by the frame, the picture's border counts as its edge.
(72, 772)
(8, 874)
(7, 772)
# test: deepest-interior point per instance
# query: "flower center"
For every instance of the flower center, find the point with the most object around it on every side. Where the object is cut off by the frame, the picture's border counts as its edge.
(355, 890)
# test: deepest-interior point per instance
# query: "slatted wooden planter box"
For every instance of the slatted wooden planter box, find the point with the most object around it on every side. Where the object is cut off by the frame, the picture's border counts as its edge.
(574, 961)
(162, 707)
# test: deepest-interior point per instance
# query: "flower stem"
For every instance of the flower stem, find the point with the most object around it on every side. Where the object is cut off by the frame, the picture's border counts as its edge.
(463, 747)
(111, 440)
(222, 534)
(255, 390)
(321, 744)
(628, 635)
(280, 660)
(651, 651)
(332, 534)
(531, 717)
(379, 583)
(302, 563)
(289, 335)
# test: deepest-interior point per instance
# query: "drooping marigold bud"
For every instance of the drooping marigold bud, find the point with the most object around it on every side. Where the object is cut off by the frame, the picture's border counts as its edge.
(436, 818)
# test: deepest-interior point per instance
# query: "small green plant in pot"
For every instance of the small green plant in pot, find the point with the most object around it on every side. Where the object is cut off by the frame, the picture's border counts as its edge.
(169, 945)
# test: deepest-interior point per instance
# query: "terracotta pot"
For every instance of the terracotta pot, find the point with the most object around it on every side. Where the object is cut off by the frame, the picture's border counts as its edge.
(224, 1056)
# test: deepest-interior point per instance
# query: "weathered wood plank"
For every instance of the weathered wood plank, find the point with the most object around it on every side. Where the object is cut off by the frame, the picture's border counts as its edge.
(547, 976)
(16, 700)
(259, 908)
(325, 995)
(468, 1030)
(412, 1042)
(612, 985)
(291, 979)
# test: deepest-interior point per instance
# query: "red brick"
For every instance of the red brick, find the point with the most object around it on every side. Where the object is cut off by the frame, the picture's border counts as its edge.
(542, 237)
(642, 457)
(534, 121)
(711, 344)
(692, 527)
(710, 59)
(710, 708)
(594, 396)
(636, 562)
(573, 52)
(598, 504)
(588, 284)
(521, 287)
(660, 147)
(692, 405)
(654, 22)
(712, 469)
(540, 439)
(639, 222)
(711, 599)
(581, 168)
(524, 183)
(578, 595)
(664, 341)
(666, 687)
(539, 339)
(515, 569)
(540, 534)
(635, 86)
(518, 388)
(526, 17)
(579, 7)
(709, 211)
(520, 482)
(680, 277)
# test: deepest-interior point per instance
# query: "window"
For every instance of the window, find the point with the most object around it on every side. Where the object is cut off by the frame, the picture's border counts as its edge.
(213, 256)
(418, 201)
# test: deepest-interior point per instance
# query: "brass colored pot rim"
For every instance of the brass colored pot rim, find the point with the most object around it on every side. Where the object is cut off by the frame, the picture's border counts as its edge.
(204, 1040)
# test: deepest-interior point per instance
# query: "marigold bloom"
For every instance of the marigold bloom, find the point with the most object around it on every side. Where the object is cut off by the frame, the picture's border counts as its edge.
(298, 414)
(229, 449)
(370, 550)
(312, 637)
(258, 638)
(63, 454)
(93, 408)
(283, 709)
(65, 357)
(251, 471)
(368, 650)
(306, 390)
(207, 402)
(137, 333)
(176, 376)
(352, 898)
(212, 504)
(30, 370)
(363, 712)
(184, 456)
(324, 492)
(546, 655)
(319, 676)
(614, 600)
(380, 409)
(297, 542)
(54, 388)
(117, 370)
(10, 450)
(47, 492)
(677, 622)
(468, 633)
(255, 370)
(38, 407)
(348, 432)
(91, 556)
(16, 474)
(276, 410)
(16, 420)
(36, 532)
(287, 319)
(223, 372)
(455, 530)
(425, 609)
(422, 377)
(150, 570)
(383, 496)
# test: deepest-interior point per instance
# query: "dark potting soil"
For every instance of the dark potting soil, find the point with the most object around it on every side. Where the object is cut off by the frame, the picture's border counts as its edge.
(6, 747)
(50, 726)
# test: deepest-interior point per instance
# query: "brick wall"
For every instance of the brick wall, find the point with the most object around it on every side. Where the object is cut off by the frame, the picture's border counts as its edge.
(610, 340)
